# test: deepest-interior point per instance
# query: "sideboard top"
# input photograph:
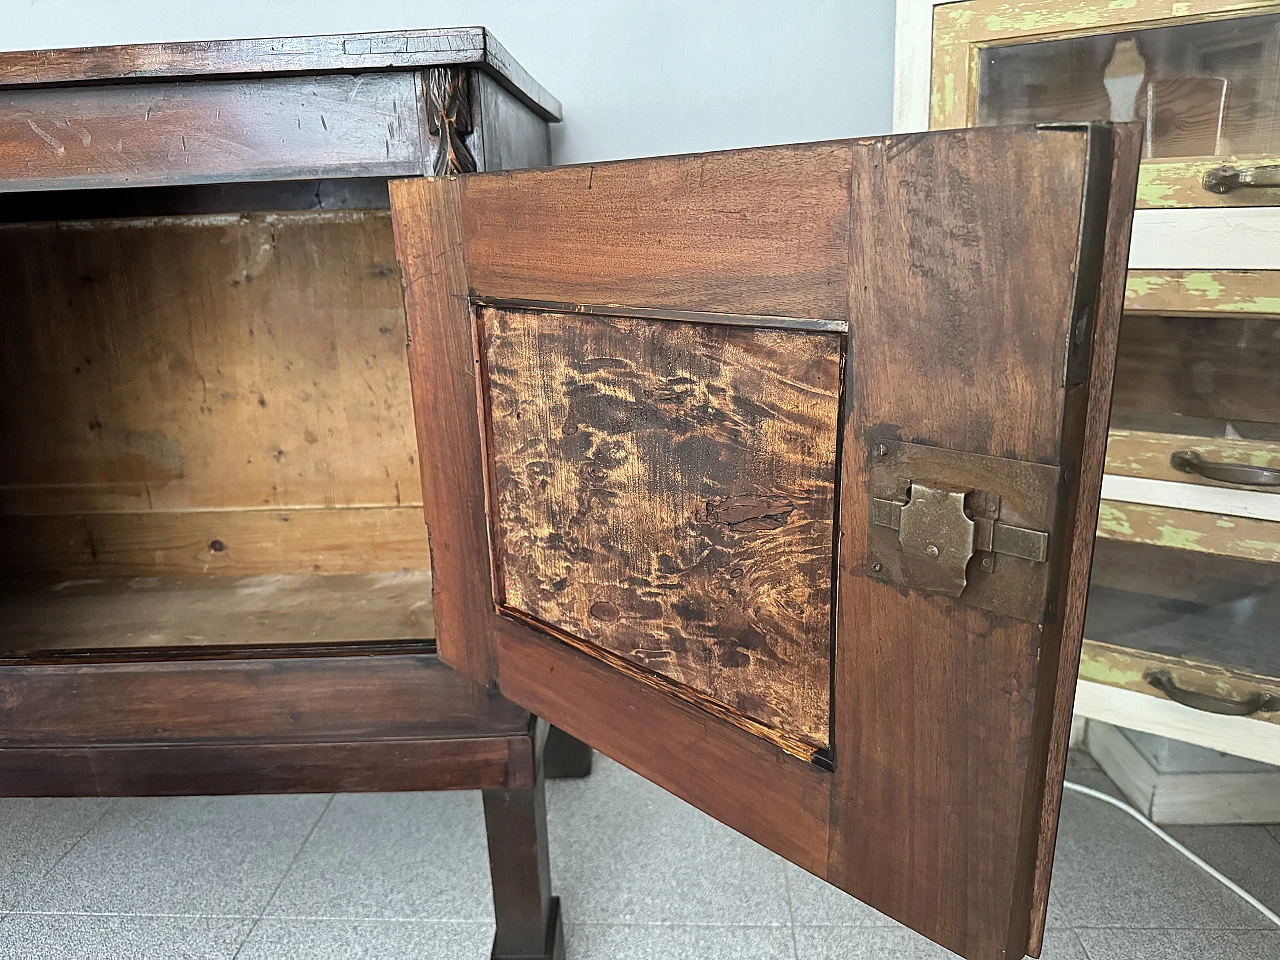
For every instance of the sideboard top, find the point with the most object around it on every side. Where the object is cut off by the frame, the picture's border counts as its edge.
(338, 53)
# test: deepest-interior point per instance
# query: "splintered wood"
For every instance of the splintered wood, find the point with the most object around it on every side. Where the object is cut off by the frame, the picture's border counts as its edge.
(665, 491)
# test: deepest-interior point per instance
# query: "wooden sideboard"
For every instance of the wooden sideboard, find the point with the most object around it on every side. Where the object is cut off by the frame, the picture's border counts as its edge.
(771, 473)
(217, 574)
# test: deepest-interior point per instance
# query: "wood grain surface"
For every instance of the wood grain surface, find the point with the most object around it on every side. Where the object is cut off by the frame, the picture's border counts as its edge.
(442, 369)
(960, 299)
(701, 232)
(666, 491)
(463, 763)
(334, 53)
(165, 612)
(953, 347)
(265, 700)
(204, 362)
(188, 543)
(149, 134)
(1088, 416)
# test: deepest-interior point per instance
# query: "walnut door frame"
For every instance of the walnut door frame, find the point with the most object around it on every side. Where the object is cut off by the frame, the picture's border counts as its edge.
(938, 802)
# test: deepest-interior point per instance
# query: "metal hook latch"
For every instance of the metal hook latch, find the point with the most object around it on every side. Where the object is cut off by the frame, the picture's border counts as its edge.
(939, 537)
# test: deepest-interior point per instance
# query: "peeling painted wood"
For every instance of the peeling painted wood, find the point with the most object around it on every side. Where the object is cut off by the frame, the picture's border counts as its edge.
(1196, 293)
(1179, 183)
(1142, 453)
(1241, 537)
(665, 491)
(1126, 668)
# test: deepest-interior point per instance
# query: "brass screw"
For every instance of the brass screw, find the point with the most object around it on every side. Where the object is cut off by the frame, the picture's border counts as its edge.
(931, 550)
(881, 450)
(877, 567)
(987, 563)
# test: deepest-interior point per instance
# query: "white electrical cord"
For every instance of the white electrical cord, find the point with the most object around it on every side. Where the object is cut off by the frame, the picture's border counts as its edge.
(1227, 882)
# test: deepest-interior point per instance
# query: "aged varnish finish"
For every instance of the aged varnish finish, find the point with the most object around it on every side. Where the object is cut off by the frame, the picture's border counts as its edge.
(568, 333)
(665, 491)
(214, 571)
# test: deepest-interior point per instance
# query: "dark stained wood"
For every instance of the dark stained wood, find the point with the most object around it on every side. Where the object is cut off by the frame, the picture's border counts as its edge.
(1223, 368)
(507, 135)
(740, 779)
(115, 613)
(1087, 441)
(442, 371)
(527, 916)
(702, 232)
(299, 699)
(665, 491)
(943, 713)
(340, 53)
(474, 763)
(152, 134)
(939, 753)
(565, 757)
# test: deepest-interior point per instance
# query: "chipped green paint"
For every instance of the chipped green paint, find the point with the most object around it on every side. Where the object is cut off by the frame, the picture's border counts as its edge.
(1122, 4)
(1259, 305)
(1107, 670)
(949, 92)
(1203, 285)
(1112, 520)
(1268, 550)
(1141, 285)
(1156, 183)
(1171, 536)
(1224, 524)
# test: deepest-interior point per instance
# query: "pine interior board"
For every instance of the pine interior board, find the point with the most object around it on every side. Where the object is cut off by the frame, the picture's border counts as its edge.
(204, 362)
(666, 491)
(148, 612)
(213, 542)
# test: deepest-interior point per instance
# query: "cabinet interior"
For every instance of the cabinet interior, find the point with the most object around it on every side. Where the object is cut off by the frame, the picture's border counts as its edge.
(205, 406)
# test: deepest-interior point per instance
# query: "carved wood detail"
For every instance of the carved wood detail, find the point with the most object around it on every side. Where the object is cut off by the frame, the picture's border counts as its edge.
(449, 120)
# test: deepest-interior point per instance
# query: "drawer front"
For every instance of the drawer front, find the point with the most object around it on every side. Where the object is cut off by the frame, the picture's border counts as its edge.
(156, 134)
(1186, 582)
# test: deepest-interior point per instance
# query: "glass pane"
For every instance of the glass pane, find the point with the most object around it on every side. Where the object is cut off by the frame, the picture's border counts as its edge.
(1186, 604)
(1192, 582)
(1200, 89)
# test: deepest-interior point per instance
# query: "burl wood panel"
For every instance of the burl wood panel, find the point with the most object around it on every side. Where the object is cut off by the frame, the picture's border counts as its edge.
(665, 490)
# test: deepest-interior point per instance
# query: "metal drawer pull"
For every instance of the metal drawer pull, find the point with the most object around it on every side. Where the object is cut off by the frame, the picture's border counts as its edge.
(1163, 681)
(1188, 461)
(1227, 177)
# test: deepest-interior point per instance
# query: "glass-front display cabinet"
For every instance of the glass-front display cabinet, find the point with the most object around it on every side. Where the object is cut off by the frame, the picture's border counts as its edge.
(1183, 630)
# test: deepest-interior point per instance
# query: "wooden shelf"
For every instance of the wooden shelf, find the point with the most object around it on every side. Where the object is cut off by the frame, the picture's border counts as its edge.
(117, 613)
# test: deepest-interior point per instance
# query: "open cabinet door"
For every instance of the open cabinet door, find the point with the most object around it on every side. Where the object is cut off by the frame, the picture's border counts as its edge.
(773, 475)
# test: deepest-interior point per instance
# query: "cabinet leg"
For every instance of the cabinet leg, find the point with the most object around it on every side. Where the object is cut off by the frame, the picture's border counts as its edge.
(565, 757)
(528, 917)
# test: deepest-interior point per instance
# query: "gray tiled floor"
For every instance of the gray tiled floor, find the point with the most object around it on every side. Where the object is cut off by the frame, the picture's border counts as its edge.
(642, 877)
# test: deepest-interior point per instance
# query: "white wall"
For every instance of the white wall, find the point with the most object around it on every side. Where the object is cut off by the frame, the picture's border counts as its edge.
(636, 77)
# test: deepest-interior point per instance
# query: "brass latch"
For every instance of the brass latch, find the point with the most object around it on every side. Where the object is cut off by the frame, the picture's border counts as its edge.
(939, 537)
(964, 525)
